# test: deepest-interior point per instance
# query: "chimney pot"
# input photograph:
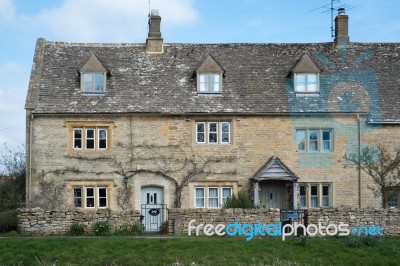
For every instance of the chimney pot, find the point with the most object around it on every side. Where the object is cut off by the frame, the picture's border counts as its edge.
(341, 11)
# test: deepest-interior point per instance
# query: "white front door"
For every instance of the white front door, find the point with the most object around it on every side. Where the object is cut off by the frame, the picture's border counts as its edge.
(152, 208)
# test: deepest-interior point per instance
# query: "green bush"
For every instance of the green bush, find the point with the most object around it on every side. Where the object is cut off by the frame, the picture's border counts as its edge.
(102, 228)
(352, 241)
(77, 229)
(303, 240)
(239, 201)
(8, 221)
(370, 240)
(122, 230)
(137, 229)
(164, 227)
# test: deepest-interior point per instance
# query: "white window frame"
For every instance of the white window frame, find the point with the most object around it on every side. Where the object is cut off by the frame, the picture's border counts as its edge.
(96, 138)
(209, 198)
(218, 133)
(393, 201)
(323, 197)
(224, 133)
(98, 198)
(303, 196)
(224, 199)
(99, 139)
(209, 85)
(73, 138)
(87, 138)
(318, 198)
(92, 83)
(319, 141)
(95, 198)
(74, 197)
(90, 197)
(308, 85)
(214, 133)
(204, 197)
(203, 132)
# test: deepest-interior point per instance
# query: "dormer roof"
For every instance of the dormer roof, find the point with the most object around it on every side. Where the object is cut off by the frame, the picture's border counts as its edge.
(305, 65)
(93, 65)
(210, 65)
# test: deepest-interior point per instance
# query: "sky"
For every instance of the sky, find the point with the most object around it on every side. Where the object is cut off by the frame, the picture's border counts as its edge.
(183, 21)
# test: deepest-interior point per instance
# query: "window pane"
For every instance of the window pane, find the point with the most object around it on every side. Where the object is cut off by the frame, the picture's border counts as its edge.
(200, 127)
(225, 128)
(102, 138)
(90, 139)
(99, 82)
(325, 196)
(226, 193)
(301, 140)
(213, 197)
(77, 139)
(212, 132)
(77, 197)
(90, 197)
(102, 197)
(326, 140)
(199, 197)
(393, 201)
(314, 196)
(313, 140)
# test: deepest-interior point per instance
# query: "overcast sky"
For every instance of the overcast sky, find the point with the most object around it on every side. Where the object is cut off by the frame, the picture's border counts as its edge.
(192, 21)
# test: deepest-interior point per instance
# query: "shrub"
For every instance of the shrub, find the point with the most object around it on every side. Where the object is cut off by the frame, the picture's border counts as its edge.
(122, 230)
(137, 229)
(370, 240)
(239, 201)
(164, 227)
(102, 228)
(352, 241)
(77, 229)
(8, 221)
(303, 240)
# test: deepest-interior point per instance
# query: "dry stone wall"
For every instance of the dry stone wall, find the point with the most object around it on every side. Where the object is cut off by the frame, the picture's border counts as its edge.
(39, 222)
(388, 219)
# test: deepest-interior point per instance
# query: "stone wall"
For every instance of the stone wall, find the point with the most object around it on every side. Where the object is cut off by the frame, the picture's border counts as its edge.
(388, 219)
(39, 222)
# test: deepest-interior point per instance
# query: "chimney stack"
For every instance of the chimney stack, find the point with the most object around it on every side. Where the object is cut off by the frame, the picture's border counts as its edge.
(341, 28)
(154, 42)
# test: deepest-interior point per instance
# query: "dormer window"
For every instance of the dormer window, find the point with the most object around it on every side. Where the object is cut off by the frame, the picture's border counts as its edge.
(209, 76)
(93, 82)
(306, 82)
(209, 82)
(305, 76)
(93, 76)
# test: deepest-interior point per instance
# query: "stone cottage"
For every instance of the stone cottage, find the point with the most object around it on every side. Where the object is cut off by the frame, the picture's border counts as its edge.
(162, 125)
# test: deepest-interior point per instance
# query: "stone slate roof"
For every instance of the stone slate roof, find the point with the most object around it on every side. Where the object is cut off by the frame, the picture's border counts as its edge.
(364, 77)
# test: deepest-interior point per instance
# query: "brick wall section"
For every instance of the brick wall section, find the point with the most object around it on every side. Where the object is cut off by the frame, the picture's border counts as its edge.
(388, 219)
(39, 222)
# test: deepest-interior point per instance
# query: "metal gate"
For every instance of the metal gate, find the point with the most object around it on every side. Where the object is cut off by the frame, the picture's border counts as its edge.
(153, 215)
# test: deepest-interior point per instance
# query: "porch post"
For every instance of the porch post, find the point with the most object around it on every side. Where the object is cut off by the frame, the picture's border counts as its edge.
(294, 193)
(256, 196)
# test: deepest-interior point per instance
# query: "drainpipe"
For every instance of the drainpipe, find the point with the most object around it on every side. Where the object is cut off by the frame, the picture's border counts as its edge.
(30, 157)
(359, 154)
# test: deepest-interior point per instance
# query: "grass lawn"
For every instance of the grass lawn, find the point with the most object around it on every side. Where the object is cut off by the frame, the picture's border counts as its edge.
(194, 251)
